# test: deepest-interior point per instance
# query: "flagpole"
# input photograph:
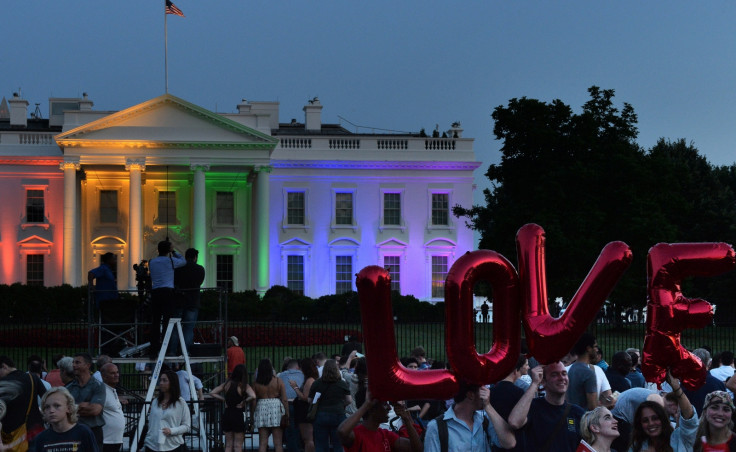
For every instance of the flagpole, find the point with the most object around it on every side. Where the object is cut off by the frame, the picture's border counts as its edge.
(166, 52)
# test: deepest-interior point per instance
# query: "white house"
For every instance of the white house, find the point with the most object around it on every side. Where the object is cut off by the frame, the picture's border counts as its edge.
(304, 205)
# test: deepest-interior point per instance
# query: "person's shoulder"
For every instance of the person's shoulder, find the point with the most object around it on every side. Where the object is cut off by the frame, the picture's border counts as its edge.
(576, 410)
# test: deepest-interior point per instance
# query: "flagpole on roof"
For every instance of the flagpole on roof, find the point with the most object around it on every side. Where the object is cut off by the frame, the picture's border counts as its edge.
(166, 52)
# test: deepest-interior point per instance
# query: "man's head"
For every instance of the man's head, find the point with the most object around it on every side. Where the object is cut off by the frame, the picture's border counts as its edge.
(522, 367)
(292, 364)
(469, 393)
(164, 247)
(35, 365)
(6, 366)
(110, 374)
(191, 255)
(82, 364)
(598, 355)
(233, 341)
(703, 355)
(585, 346)
(419, 354)
(109, 259)
(555, 379)
(621, 362)
(727, 358)
(102, 360)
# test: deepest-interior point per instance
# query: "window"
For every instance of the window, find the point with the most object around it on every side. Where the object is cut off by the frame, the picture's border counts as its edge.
(225, 272)
(344, 208)
(34, 269)
(225, 205)
(34, 206)
(343, 274)
(440, 209)
(166, 207)
(108, 206)
(295, 207)
(393, 265)
(439, 274)
(295, 274)
(392, 209)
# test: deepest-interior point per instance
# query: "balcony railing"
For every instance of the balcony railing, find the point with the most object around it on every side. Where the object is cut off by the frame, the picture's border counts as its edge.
(377, 143)
(27, 138)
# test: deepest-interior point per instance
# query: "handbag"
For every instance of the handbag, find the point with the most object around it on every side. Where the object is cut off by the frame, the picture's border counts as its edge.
(16, 441)
(312, 413)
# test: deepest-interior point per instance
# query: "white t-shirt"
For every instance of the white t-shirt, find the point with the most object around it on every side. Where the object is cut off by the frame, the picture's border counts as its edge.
(112, 413)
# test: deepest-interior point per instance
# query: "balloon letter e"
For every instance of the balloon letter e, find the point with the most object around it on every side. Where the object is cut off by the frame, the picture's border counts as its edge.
(669, 312)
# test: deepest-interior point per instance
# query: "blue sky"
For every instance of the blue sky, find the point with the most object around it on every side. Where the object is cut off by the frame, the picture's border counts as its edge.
(399, 65)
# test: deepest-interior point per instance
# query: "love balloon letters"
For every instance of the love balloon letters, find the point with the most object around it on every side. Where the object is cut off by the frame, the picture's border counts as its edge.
(520, 297)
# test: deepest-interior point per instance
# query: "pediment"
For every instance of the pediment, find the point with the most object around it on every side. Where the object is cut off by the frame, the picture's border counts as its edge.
(165, 122)
(343, 242)
(295, 242)
(392, 243)
(440, 243)
(34, 240)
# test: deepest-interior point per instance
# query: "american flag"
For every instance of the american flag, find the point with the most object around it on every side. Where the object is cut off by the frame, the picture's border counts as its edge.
(172, 9)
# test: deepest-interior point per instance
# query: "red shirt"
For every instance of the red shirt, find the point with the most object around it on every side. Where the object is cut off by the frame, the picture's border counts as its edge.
(715, 448)
(235, 356)
(54, 378)
(381, 440)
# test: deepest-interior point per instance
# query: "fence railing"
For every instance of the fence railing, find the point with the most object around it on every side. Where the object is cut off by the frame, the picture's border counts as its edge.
(277, 340)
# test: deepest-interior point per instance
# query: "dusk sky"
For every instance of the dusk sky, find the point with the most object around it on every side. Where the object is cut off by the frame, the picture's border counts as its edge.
(399, 65)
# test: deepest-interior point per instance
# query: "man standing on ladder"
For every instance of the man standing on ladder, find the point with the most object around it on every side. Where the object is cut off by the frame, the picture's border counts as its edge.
(163, 299)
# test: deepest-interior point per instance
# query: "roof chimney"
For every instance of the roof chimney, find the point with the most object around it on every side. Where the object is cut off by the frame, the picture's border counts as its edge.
(18, 111)
(85, 104)
(313, 115)
(244, 107)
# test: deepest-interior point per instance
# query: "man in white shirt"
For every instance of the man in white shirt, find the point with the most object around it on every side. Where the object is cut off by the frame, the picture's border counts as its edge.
(184, 385)
(112, 411)
(163, 299)
(726, 369)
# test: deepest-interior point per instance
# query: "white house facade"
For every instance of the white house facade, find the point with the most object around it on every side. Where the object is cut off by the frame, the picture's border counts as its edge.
(303, 205)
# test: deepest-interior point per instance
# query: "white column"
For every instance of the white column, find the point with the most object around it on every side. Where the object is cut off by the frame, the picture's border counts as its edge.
(72, 258)
(135, 216)
(262, 242)
(199, 212)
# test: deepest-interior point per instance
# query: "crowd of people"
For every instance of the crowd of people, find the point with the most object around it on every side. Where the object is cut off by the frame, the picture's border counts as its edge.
(579, 404)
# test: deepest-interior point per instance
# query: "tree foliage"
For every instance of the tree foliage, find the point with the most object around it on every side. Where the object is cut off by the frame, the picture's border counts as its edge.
(586, 181)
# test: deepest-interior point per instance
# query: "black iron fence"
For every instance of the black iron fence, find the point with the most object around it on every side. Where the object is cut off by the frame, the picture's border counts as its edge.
(278, 340)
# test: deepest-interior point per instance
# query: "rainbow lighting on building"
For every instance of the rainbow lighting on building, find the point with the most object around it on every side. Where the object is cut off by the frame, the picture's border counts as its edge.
(303, 205)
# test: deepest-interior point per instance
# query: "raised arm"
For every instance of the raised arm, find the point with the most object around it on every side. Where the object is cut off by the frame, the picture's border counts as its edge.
(518, 416)
(686, 408)
(413, 443)
(506, 437)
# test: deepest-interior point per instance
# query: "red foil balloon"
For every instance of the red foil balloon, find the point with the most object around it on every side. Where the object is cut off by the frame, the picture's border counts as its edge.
(460, 338)
(669, 312)
(388, 379)
(549, 338)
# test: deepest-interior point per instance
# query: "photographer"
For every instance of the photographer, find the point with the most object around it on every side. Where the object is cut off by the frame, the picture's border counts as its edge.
(163, 299)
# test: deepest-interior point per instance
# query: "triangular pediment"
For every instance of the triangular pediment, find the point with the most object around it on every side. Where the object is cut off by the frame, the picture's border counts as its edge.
(165, 122)
(392, 243)
(34, 240)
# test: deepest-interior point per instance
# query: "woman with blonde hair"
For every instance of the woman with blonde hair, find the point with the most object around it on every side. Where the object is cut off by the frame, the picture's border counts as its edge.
(598, 428)
(715, 431)
(334, 396)
(60, 412)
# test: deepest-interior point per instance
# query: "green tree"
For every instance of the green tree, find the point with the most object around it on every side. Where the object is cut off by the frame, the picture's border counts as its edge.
(586, 181)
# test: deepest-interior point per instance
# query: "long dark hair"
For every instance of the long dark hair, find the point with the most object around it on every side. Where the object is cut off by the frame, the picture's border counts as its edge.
(638, 436)
(265, 372)
(309, 369)
(239, 376)
(174, 389)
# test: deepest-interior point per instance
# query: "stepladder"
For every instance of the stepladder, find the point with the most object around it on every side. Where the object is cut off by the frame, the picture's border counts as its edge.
(196, 418)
